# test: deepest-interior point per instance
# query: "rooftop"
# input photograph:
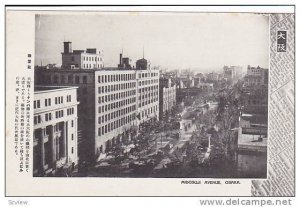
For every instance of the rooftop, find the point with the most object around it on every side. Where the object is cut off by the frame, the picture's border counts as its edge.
(250, 142)
(255, 118)
(90, 70)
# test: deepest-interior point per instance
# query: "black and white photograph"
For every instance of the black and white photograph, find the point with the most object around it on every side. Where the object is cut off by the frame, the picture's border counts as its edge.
(151, 95)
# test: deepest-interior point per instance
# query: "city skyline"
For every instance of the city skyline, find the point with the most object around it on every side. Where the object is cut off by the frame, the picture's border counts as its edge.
(174, 45)
(143, 122)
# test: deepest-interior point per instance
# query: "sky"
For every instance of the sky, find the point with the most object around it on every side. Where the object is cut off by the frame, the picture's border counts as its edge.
(199, 41)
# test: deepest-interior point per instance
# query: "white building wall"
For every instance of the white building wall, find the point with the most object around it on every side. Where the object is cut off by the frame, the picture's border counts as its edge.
(108, 86)
(47, 103)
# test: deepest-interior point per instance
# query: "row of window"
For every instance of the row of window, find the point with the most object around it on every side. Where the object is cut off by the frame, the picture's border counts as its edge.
(116, 124)
(70, 111)
(116, 114)
(59, 114)
(105, 108)
(70, 79)
(148, 111)
(92, 58)
(116, 96)
(111, 88)
(147, 82)
(37, 119)
(36, 104)
(69, 98)
(168, 94)
(256, 70)
(168, 98)
(148, 88)
(117, 77)
(146, 75)
(148, 95)
(145, 103)
(101, 79)
(48, 102)
(85, 66)
(48, 117)
(58, 100)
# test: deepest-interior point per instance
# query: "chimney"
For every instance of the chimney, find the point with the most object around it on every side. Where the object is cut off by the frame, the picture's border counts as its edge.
(120, 59)
(67, 47)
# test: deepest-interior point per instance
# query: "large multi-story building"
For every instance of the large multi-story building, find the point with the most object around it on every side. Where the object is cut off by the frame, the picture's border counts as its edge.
(90, 58)
(113, 101)
(107, 108)
(55, 129)
(167, 96)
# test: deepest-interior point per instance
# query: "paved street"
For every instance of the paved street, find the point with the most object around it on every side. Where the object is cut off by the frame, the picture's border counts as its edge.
(164, 156)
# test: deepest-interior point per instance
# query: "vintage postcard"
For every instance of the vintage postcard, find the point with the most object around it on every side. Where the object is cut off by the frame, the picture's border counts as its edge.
(194, 101)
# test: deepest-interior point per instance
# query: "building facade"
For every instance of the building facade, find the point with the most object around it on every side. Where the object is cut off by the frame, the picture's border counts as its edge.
(167, 96)
(231, 73)
(85, 81)
(90, 58)
(206, 87)
(211, 77)
(256, 76)
(55, 129)
(147, 92)
(116, 107)
(108, 105)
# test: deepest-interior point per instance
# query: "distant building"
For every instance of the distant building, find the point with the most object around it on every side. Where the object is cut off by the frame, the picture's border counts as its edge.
(170, 74)
(167, 96)
(256, 76)
(197, 81)
(206, 87)
(142, 64)
(212, 77)
(200, 75)
(48, 66)
(187, 73)
(186, 83)
(55, 129)
(90, 58)
(124, 62)
(230, 73)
